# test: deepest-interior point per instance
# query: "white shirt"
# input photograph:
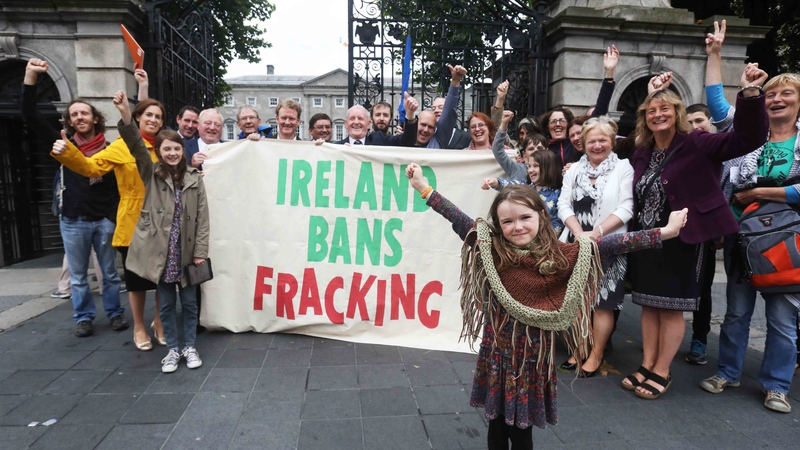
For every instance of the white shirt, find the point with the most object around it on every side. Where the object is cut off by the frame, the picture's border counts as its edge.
(353, 141)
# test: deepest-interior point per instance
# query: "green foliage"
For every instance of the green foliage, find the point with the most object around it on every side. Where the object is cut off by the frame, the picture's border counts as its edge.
(784, 17)
(237, 34)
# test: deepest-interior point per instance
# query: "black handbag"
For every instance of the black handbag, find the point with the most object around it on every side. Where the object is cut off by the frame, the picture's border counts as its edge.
(198, 275)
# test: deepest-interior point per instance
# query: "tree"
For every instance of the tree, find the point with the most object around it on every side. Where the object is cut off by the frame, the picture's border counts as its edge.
(237, 34)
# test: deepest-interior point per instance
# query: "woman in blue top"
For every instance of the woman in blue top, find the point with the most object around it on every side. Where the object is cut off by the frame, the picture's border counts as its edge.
(777, 161)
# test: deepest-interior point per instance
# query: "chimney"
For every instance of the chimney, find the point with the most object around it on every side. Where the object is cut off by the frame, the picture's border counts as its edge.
(270, 69)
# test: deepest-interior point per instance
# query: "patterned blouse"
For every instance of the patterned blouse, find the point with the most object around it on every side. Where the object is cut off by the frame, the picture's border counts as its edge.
(172, 272)
(653, 201)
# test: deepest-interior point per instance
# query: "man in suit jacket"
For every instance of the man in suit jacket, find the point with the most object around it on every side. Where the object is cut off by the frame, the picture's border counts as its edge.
(188, 121)
(357, 125)
(209, 132)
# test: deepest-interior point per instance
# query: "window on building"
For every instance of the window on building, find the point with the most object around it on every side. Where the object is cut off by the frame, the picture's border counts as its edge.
(273, 101)
(229, 100)
(297, 99)
(317, 102)
(251, 101)
(340, 103)
(338, 132)
(230, 132)
(299, 131)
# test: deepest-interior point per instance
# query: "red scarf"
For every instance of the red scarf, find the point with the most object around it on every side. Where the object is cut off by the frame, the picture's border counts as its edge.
(92, 146)
(151, 140)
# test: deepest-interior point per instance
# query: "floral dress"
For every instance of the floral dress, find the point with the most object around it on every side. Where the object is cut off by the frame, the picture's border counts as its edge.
(526, 399)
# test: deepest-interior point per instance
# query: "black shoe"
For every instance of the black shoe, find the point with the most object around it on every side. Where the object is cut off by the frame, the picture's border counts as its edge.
(84, 328)
(586, 374)
(567, 367)
(118, 323)
(200, 329)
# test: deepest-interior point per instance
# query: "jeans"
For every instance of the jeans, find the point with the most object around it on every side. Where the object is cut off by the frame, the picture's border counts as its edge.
(780, 351)
(79, 237)
(168, 293)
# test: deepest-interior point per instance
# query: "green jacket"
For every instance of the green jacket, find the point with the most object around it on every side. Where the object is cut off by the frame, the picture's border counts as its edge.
(147, 256)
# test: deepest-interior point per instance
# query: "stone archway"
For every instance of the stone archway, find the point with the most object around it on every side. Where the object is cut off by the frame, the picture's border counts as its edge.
(54, 74)
(632, 90)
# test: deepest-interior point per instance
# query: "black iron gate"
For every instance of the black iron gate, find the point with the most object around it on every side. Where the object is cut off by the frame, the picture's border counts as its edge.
(494, 40)
(179, 54)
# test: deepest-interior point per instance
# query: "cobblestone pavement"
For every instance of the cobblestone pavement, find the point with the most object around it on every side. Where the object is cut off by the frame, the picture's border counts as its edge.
(265, 391)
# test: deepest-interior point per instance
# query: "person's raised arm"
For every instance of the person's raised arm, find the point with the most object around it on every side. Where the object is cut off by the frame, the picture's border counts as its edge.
(133, 138)
(514, 169)
(499, 102)
(45, 132)
(659, 82)
(610, 61)
(715, 98)
(447, 121)
(144, 84)
(409, 136)
(616, 244)
(462, 223)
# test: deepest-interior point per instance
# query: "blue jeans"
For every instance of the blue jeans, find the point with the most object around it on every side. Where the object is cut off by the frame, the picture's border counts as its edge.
(168, 293)
(79, 237)
(780, 351)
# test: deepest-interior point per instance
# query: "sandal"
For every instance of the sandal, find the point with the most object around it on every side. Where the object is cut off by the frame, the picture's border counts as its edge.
(653, 393)
(634, 381)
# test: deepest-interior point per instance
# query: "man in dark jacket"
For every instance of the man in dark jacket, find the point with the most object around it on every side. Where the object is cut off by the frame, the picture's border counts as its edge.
(88, 206)
(357, 125)
(250, 123)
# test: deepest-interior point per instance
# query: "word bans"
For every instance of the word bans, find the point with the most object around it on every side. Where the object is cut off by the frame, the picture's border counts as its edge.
(366, 294)
(367, 242)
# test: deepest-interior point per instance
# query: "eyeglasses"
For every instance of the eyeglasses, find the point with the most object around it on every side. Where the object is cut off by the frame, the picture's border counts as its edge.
(477, 126)
(248, 118)
(557, 121)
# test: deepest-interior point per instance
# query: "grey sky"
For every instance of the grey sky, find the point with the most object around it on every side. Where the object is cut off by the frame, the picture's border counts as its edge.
(305, 37)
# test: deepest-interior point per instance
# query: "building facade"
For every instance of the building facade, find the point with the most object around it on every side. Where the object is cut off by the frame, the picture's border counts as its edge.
(325, 93)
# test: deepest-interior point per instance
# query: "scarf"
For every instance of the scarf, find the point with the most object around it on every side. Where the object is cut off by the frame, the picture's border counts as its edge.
(617, 266)
(91, 146)
(150, 140)
(540, 303)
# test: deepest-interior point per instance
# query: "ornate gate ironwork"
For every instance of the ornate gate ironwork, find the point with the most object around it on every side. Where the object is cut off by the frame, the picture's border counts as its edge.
(180, 61)
(494, 40)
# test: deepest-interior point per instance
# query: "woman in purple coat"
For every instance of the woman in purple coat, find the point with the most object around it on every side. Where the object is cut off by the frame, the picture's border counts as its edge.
(675, 168)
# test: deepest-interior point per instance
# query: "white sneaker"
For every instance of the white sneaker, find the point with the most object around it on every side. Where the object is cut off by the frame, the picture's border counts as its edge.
(170, 363)
(193, 360)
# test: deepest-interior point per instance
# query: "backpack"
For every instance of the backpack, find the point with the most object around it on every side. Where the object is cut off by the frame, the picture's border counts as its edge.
(769, 241)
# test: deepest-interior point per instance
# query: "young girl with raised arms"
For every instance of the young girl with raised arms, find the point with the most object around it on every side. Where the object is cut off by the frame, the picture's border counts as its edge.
(521, 285)
(172, 231)
(543, 177)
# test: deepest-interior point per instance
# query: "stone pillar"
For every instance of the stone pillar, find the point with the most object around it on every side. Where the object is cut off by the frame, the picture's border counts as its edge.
(652, 38)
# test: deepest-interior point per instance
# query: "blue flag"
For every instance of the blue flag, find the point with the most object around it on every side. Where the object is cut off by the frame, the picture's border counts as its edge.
(401, 110)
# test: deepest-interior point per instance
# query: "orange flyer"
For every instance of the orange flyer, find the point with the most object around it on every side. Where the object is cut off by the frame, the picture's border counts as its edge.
(136, 50)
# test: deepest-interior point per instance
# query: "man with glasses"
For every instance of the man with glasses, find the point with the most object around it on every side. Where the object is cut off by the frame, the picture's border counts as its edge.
(209, 133)
(319, 127)
(250, 123)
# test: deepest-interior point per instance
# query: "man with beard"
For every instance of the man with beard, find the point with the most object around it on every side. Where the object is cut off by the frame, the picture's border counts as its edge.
(87, 206)
(320, 127)
(381, 117)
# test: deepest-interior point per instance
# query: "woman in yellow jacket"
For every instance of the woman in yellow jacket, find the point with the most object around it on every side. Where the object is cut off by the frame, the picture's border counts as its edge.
(149, 114)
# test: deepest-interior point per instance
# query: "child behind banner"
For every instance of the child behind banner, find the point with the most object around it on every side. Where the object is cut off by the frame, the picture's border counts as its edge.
(175, 200)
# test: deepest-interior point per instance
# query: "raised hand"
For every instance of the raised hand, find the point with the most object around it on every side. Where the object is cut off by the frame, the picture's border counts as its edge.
(60, 146)
(489, 183)
(121, 102)
(714, 40)
(417, 180)
(411, 105)
(506, 119)
(753, 76)
(659, 82)
(37, 65)
(610, 60)
(502, 89)
(141, 76)
(457, 74)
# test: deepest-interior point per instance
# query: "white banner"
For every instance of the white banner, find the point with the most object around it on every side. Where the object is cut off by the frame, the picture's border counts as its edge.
(332, 241)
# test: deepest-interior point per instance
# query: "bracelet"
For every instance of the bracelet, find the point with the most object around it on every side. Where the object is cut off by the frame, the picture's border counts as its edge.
(752, 86)
(426, 192)
(600, 227)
